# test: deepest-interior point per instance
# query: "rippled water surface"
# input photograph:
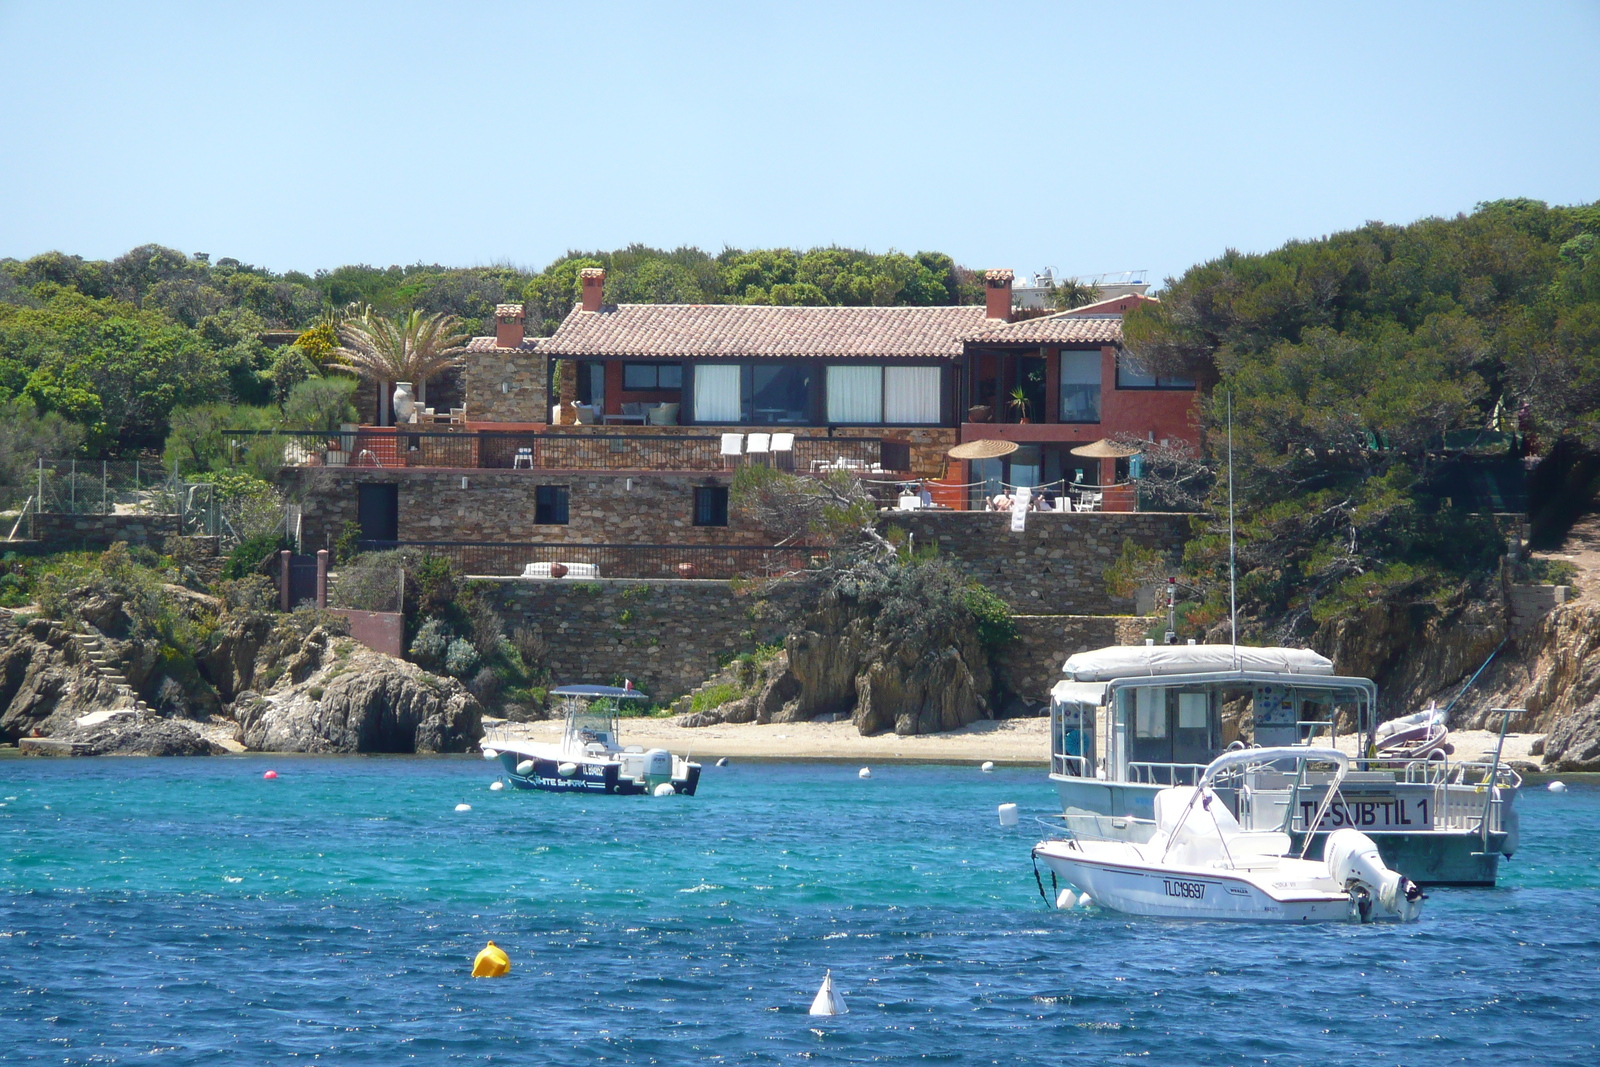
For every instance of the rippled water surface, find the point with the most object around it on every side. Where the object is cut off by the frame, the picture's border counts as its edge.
(190, 912)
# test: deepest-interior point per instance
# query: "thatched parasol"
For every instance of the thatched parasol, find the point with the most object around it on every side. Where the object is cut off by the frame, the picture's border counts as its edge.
(987, 449)
(1106, 449)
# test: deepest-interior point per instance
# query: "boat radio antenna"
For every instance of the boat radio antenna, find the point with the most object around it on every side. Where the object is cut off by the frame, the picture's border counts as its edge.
(1233, 594)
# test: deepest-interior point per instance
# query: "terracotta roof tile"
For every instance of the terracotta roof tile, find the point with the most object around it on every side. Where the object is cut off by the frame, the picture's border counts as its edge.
(503, 311)
(1063, 328)
(711, 331)
(492, 344)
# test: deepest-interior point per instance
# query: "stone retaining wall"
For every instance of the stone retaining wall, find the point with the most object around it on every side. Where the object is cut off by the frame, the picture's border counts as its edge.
(1057, 565)
(666, 636)
(499, 506)
(1029, 667)
(61, 533)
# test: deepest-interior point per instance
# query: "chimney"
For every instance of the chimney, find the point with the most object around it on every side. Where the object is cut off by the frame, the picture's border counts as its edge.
(998, 293)
(508, 325)
(594, 287)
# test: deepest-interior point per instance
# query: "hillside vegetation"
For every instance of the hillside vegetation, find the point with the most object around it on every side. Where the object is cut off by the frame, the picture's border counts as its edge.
(1359, 367)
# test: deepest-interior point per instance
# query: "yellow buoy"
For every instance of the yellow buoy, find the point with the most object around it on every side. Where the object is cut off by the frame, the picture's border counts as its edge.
(491, 963)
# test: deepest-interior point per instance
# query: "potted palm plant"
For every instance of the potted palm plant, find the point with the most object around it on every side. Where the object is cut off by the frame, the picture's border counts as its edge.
(1019, 404)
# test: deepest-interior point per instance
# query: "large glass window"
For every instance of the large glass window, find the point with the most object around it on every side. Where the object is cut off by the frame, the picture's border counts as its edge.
(1132, 376)
(1080, 386)
(875, 395)
(911, 395)
(779, 392)
(648, 377)
(716, 392)
(855, 394)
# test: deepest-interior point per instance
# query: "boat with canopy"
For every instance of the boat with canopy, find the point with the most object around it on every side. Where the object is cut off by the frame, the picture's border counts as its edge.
(1129, 721)
(589, 758)
(1200, 863)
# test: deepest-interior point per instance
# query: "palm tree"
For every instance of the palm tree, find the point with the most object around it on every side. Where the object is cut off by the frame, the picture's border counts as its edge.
(413, 348)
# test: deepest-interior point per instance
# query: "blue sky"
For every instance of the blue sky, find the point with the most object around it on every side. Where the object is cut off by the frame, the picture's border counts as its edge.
(1087, 137)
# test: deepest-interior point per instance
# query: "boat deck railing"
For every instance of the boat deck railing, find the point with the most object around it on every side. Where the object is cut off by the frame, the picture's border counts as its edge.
(1072, 766)
(1146, 773)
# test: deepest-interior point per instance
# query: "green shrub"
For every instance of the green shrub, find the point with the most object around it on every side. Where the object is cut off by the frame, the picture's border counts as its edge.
(431, 645)
(460, 659)
(991, 615)
(713, 697)
(248, 554)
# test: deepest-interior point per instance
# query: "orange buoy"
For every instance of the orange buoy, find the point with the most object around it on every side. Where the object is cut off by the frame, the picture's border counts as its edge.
(270, 774)
(492, 962)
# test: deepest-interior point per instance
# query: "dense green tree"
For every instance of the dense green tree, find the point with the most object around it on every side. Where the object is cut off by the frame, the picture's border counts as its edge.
(1352, 363)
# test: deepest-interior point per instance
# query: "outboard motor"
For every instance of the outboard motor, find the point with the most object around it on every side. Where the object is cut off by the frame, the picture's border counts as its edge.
(1375, 891)
(657, 768)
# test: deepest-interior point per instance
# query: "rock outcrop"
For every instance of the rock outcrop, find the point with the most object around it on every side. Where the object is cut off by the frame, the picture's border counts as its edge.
(1553, 671)
(334, 695)
(835, 664)
(141, 735)
(46, 680)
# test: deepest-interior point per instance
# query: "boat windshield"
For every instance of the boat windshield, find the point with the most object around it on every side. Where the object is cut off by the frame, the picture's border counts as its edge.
(591, 721)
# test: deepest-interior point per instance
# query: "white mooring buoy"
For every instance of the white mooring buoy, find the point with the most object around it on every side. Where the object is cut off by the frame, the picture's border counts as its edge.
(988, 767)
(1008, 815)
(463, 807)
(828, 1001)
(723, 762)
(664, 789)
(496, 785)
(1557, 787)
(865, 772)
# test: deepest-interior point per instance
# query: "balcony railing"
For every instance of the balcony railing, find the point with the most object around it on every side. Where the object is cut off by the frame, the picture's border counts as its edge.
(511, 559)
(391, 447)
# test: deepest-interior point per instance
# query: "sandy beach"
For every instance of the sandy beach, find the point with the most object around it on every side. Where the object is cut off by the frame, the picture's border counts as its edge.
(1011, 741)
(1006, 741)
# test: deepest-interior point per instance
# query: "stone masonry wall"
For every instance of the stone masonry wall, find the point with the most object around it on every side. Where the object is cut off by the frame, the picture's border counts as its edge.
(1057, 565)
(498, 505)
(65, 532)
(666, 636)
(505, 385)
(1030, 666)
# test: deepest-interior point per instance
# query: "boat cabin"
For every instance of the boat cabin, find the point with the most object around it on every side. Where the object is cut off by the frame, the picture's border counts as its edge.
(591, 716)
(1154, 715)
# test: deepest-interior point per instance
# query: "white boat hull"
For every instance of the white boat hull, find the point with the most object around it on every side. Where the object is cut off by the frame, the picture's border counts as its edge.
(1188, 893)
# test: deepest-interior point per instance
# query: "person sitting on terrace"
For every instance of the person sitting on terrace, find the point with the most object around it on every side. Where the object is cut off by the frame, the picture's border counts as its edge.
(1000, 502)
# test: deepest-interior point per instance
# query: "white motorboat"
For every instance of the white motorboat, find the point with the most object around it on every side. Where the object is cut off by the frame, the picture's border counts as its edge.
(1200, 864)
(1130, 720)
(589, 758)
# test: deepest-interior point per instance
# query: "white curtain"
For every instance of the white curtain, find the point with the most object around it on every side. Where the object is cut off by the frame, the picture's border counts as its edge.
(911, 395)
(716, 392)
(855, 394)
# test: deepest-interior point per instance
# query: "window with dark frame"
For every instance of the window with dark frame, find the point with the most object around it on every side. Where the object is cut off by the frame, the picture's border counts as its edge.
(550, 505)
(1131, 376)
(711, 505)
(651, 377)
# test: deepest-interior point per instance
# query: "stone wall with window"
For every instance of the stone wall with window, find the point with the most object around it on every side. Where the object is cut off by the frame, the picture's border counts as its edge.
(503, 505)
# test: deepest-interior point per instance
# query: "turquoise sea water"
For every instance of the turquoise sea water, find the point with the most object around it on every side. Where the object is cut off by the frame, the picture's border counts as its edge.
(189, 912)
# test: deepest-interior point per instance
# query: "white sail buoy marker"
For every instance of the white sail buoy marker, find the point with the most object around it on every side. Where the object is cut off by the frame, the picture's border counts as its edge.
(1557, 787)
(463, 807)
(496, 785)
(988, 767)
(828, 1001)
(865, 772)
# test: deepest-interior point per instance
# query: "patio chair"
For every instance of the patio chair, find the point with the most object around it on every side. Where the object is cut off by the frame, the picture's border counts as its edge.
(458, 415)
(662, 414)
(523, 459)
(732, 448)
(758, 444)
(783, 450)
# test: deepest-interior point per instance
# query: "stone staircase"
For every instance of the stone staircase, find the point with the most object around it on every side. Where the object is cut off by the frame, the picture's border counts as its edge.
(1530, 603)
(94, 651)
